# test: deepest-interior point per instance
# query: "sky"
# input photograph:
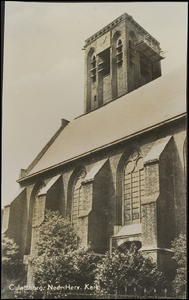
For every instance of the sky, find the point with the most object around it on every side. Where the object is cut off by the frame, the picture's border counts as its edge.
(43, 70)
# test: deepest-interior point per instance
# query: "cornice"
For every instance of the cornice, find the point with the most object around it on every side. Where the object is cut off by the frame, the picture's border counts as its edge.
(114, 23)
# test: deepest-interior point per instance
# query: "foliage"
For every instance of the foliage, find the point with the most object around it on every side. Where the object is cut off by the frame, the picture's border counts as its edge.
(56, 235)
(85, 262)
(11, 263)
(179, 248)
(59, 260)
(12, 269)
(128, 268)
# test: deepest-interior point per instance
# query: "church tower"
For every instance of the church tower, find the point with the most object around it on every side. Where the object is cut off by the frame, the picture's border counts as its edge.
(119, 58)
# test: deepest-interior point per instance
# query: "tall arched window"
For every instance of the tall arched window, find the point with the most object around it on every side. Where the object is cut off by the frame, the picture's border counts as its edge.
(117, 62)
(77, 197)
(91, 73)
(133, 189)
(119, 53)
(32, 216)
(35, 210)
(93, 68)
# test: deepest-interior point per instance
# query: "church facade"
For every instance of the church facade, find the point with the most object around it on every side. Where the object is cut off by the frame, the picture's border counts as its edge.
(119, 170)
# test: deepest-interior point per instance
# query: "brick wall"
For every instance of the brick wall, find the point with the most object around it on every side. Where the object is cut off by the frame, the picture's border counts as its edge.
(102, 201)
(14, 219)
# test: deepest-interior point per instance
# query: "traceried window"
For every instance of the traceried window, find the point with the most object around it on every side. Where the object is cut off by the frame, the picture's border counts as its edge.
(133, 189)
(77, 197)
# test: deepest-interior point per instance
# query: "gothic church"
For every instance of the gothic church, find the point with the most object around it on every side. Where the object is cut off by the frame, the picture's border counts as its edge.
(118, 171)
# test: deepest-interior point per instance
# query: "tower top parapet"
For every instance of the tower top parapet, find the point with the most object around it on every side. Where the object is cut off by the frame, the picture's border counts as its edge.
(114, 23)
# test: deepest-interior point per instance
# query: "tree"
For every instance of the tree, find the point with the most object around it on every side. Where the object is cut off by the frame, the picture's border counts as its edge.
(128, 268)
(11, 263)
(12, 270)
(59, 259)
(179, 248)
(85, 262)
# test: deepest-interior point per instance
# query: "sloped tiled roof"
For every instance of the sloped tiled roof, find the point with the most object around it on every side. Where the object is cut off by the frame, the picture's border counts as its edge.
(154, 103)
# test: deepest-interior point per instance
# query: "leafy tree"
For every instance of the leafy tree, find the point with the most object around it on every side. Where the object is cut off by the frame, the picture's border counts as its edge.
(179, 248)
(12, 269)
(85, 262)
(128, 268)
(59, 259)
(56, 235)
(11, 263)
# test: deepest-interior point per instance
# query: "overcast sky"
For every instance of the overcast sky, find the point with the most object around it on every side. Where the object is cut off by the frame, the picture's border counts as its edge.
(43, 77)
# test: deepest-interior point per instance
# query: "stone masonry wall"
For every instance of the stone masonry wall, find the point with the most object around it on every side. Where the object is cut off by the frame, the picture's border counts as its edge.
(105, 187)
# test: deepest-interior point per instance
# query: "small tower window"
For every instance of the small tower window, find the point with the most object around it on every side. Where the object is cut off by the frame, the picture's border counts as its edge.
(119, 53)
(93, 68)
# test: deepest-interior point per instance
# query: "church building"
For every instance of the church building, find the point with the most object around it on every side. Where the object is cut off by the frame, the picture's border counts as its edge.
(118, 171)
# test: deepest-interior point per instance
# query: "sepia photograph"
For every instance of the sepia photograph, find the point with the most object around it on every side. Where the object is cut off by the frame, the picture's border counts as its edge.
(94, 150)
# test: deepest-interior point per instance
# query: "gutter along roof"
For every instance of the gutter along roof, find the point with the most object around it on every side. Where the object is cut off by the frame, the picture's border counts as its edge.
(153, 104)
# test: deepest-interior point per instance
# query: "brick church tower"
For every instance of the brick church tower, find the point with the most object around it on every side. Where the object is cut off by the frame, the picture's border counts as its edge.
(118, 171)
(119, 58)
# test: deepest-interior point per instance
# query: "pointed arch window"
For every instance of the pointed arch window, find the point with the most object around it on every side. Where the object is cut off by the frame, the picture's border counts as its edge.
(35, 209)
(133, 189)
(93, 68)
(77, 202)
(119, 53)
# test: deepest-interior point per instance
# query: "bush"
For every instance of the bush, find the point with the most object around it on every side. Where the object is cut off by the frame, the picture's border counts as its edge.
(129, 268)
(12, 269)
(179, 248)
(59, 260)
(11, 263)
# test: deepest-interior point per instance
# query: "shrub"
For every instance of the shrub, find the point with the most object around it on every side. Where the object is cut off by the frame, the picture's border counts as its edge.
(59, 259)
(12, 269)
(11, 263)
(128, 268)
(179, 248)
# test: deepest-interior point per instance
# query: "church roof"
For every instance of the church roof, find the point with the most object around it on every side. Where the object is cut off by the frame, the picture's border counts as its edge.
(149, 106)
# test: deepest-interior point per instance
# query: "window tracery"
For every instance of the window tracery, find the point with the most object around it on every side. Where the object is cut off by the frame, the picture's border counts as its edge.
(77, 202)
(133, 189)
